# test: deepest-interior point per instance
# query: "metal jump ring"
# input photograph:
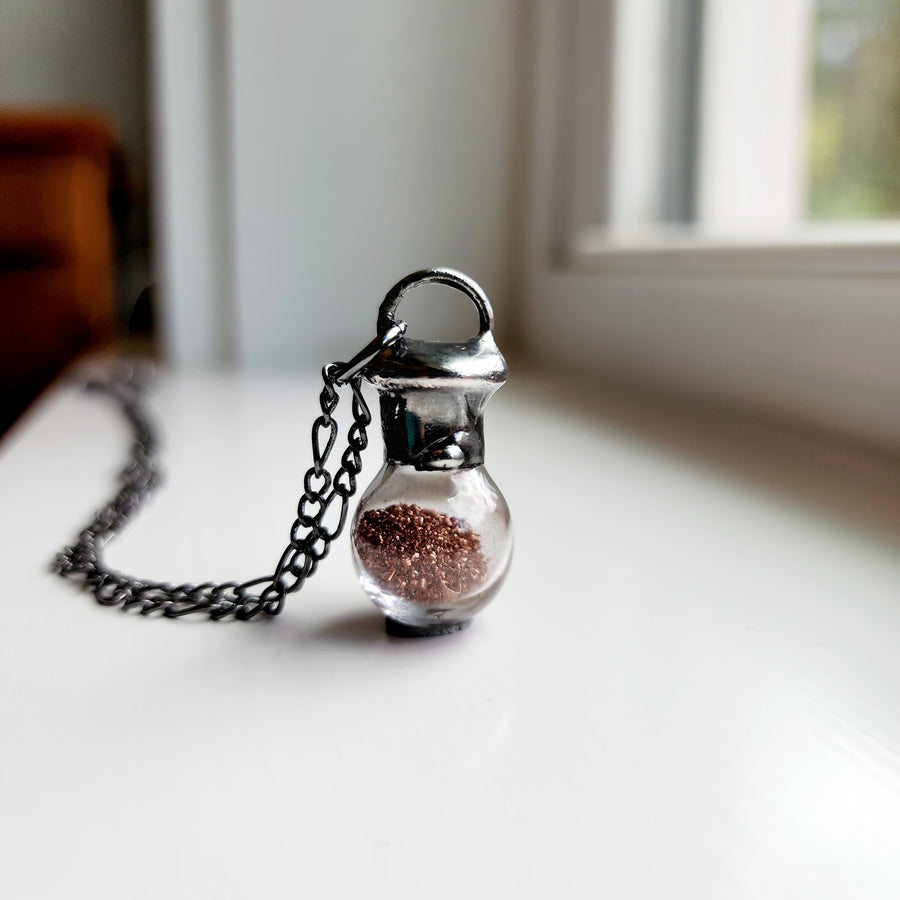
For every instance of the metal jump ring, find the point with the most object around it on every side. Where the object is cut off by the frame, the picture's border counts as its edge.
(344, 372)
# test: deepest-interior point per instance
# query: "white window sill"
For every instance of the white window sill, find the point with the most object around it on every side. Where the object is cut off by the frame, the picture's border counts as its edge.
(851, 249)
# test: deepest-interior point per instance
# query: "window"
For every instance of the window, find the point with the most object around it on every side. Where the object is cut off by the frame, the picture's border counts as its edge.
(854, 120)
(712, 199)
(735, 122)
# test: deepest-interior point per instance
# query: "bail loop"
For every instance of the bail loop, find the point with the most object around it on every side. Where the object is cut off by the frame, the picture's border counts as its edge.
(450, 277)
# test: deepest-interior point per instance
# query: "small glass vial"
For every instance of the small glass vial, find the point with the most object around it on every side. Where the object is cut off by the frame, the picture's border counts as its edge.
(431, 536)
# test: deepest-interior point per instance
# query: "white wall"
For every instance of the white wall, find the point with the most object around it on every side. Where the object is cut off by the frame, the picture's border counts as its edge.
(78, 52)
(356, 142)
(192, 147)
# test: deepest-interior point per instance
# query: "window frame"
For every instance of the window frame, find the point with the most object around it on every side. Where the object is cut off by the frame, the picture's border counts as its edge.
(806, 327)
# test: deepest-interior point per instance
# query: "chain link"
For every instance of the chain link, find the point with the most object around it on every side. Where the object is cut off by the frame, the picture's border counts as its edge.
(310, 537)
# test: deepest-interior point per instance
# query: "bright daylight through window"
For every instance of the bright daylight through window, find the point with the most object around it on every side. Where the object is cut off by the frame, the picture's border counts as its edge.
(751, 122)
(854, 122)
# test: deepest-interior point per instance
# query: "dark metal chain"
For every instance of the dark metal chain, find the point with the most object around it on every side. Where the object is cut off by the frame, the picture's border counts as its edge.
(310, 538)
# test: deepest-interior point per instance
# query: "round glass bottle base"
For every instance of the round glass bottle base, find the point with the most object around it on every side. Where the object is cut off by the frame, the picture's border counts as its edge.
(401, 629)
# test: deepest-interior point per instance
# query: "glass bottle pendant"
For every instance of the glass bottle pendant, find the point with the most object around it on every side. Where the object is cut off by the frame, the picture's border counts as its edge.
(431, 536)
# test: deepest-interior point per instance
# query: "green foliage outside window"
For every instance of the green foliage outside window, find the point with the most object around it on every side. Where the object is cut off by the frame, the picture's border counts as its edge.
(854, 137)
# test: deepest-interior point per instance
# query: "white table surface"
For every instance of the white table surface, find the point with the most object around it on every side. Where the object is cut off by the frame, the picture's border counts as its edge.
(688, 688)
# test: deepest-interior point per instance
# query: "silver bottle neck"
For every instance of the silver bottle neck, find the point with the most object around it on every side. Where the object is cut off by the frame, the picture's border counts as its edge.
(433, 430)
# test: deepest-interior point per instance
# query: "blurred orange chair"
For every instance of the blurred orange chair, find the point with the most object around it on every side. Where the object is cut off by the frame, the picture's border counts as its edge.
(56, 247)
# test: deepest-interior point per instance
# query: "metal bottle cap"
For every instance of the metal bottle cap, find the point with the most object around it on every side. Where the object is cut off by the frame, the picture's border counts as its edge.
(433, 393)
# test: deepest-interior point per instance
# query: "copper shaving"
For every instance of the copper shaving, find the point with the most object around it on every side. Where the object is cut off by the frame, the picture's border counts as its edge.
(420, 555)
